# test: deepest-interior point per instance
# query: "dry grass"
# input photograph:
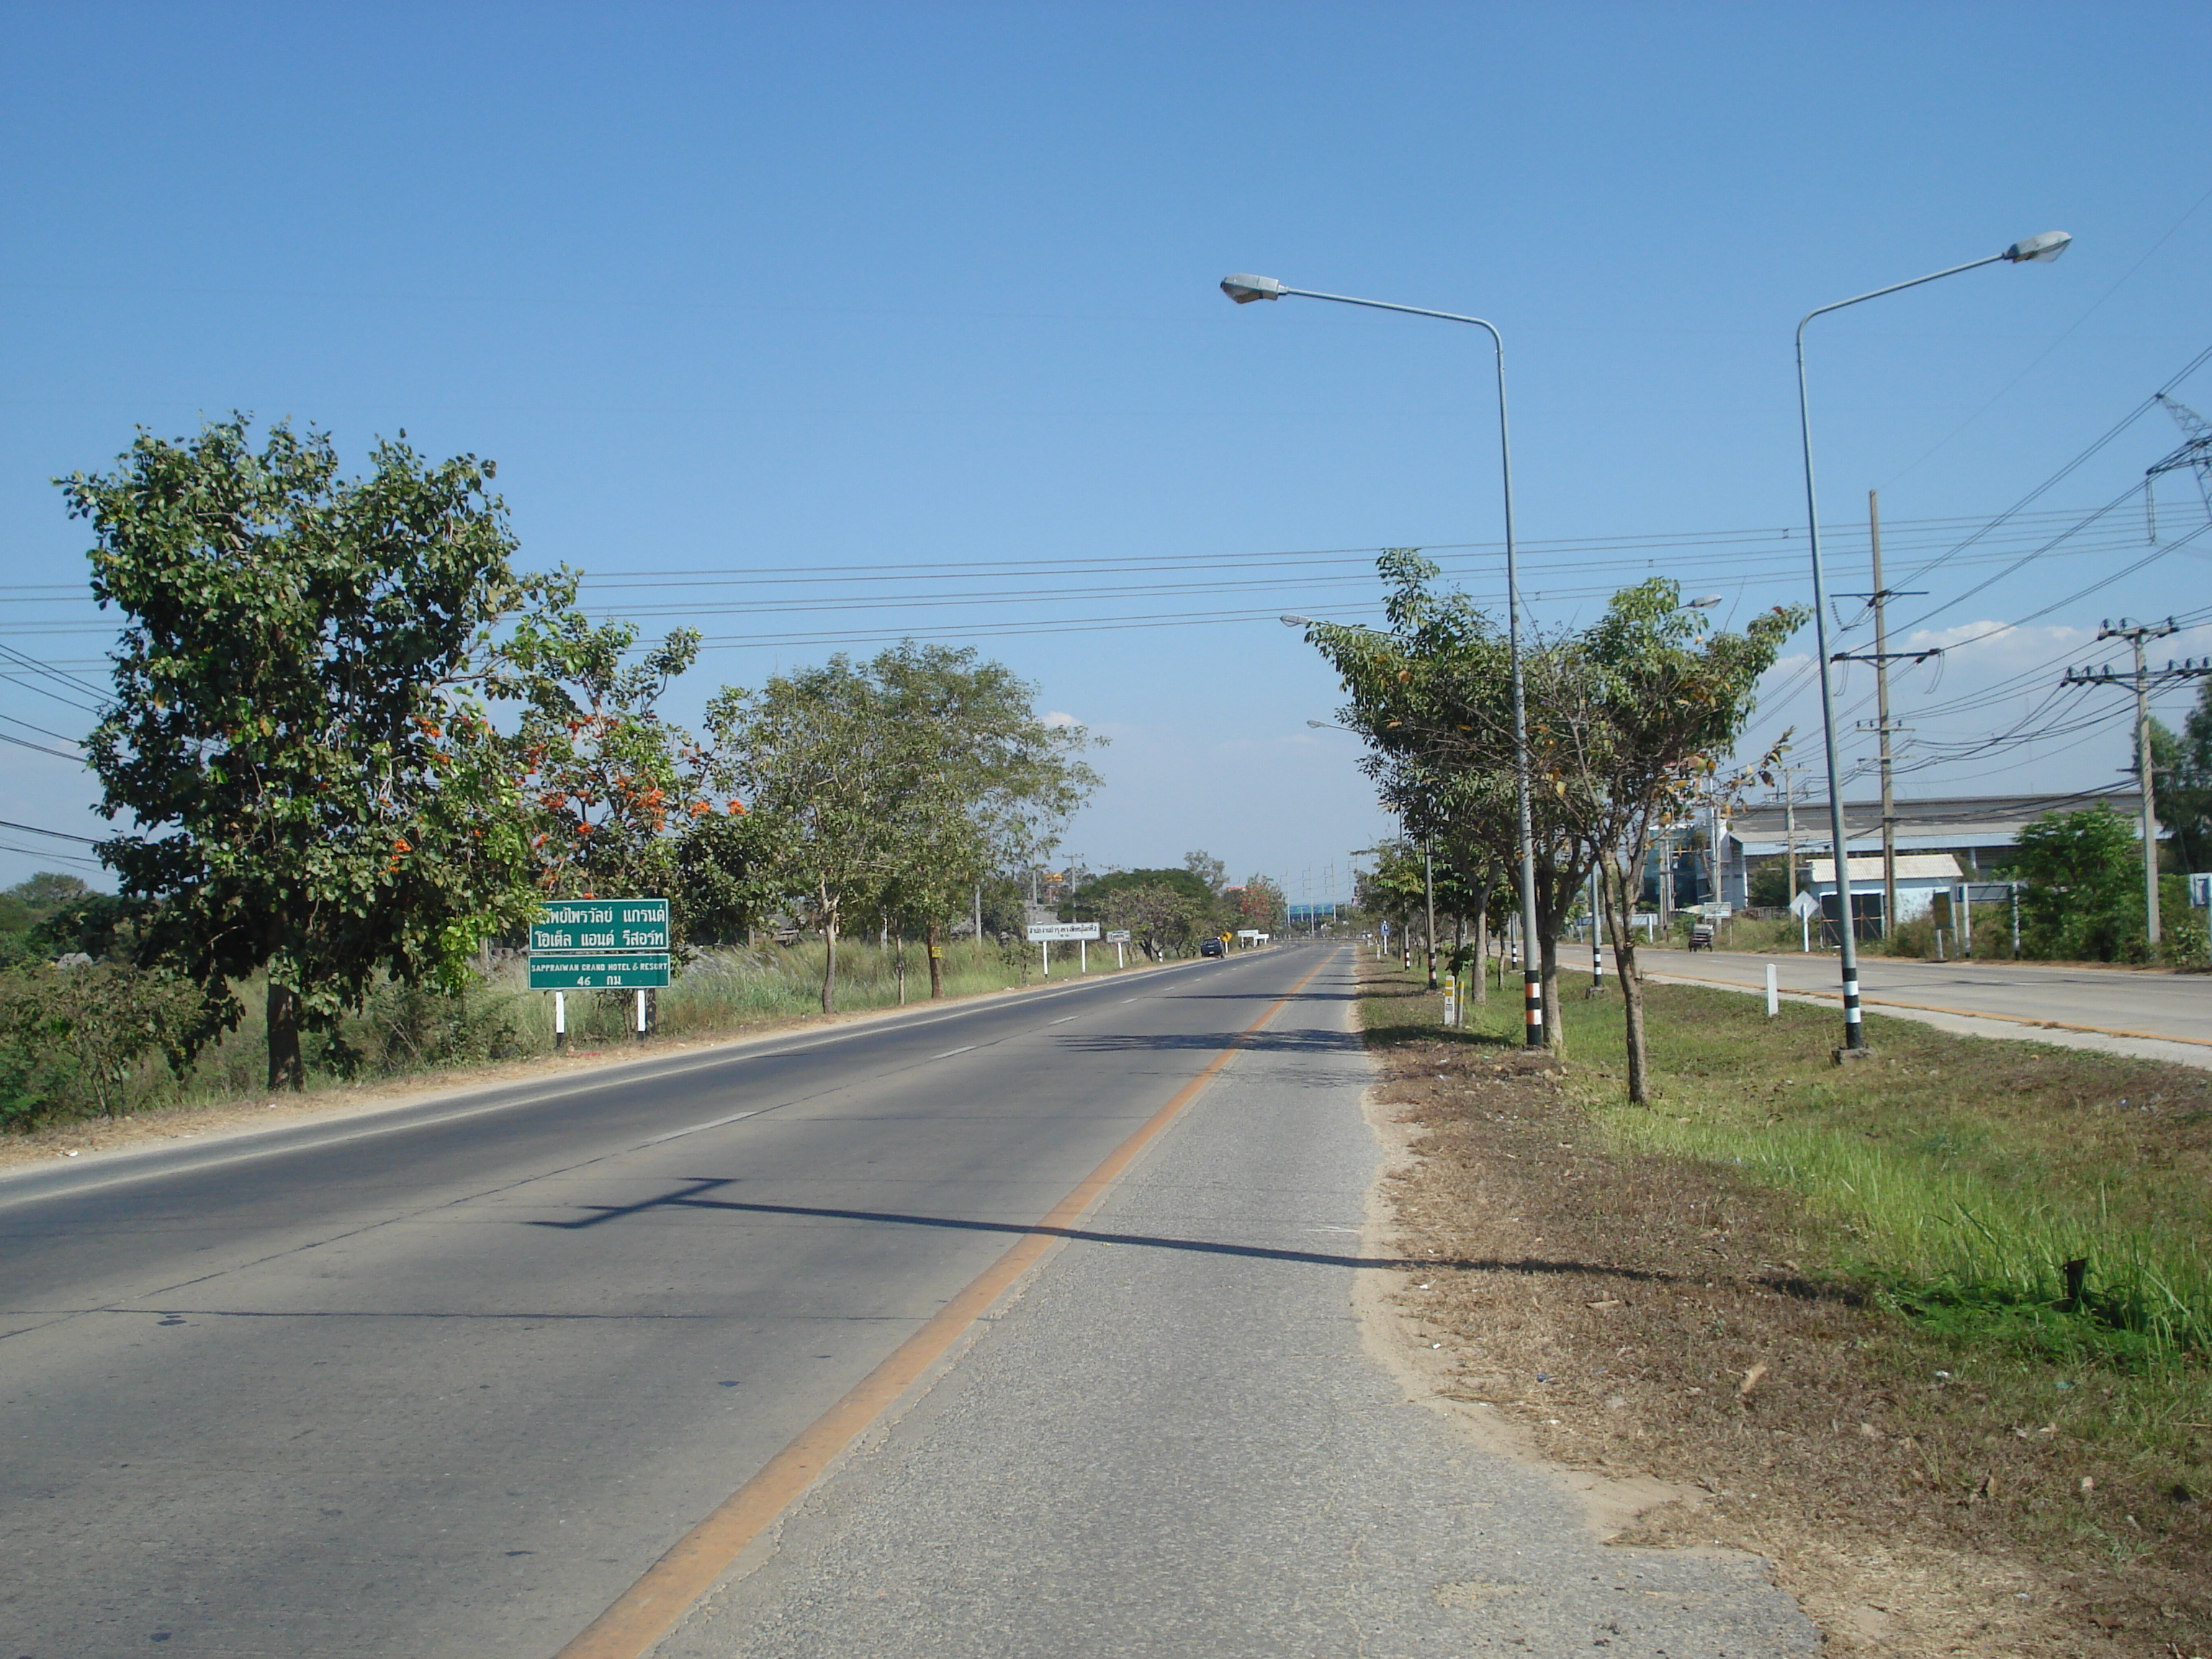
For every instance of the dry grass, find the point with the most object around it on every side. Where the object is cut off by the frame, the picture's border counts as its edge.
(1642, 1304)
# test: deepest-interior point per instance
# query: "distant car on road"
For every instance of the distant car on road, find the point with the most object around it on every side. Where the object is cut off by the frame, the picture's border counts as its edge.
(1211, 945)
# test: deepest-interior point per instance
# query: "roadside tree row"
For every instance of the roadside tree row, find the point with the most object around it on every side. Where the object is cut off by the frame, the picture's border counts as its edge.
(1630, 721)
(351, 744)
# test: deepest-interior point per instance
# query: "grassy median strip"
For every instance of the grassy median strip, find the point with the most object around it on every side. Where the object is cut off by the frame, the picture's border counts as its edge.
(1949, 1305)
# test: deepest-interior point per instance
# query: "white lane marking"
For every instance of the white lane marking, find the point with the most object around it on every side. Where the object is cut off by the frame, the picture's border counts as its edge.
(1063, 1020)
(1132, 999)
(949, 1053)
(1332, 1230)
(678, 1134)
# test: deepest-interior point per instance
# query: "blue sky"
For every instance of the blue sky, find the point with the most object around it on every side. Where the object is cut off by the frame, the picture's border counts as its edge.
(752, 292)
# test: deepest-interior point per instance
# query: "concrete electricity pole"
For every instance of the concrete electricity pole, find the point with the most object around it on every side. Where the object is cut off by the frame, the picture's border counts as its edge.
(1790, 820)
(2144, 682)
(1881, 656)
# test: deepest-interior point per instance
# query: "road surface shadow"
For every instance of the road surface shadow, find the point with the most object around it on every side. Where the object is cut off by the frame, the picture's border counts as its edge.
(693, 1195)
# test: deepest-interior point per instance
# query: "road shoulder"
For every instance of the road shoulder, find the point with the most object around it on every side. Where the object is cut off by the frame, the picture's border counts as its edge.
(1635, 1318)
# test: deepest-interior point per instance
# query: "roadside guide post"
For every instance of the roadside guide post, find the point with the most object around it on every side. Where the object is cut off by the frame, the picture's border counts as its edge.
(1774, 998)
(560, 1021)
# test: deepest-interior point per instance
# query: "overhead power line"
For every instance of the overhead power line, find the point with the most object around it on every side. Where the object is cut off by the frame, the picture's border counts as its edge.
(59, 835)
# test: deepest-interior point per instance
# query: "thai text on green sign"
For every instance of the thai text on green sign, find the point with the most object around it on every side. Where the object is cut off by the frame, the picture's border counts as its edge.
(601, 925)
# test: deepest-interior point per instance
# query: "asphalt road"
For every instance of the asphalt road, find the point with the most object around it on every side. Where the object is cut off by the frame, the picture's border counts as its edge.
(2178, 1007)
(445, 1382)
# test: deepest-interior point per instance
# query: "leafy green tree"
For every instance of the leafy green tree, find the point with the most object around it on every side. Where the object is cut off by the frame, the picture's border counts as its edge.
(724, 889)
(806, 749)
(46, 891)
(1160, 916)
(102, 926)
(2184, 783)
(296, 727)
(71, 1038)
(1628, 721)
(606, 781)
(973, 780)
(1260, 903)
(892, 789)
(1431, 693)
(2083, 901)
(1636, 731)
(1207, 868)
(1769, 886)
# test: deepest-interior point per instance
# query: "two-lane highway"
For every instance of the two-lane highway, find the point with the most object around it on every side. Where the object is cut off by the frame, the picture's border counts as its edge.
(447, 1381)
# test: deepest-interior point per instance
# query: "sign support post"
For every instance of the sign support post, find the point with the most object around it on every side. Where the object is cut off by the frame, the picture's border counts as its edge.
(1044, 933)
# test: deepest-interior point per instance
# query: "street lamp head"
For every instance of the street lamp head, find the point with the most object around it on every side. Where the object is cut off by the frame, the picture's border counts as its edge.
(1318, 726)
(2042, 249)
(1706, 604)
(1244, 288)
(1297, 622)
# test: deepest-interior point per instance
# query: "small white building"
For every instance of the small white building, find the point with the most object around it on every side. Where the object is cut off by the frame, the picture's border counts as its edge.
(1920, 877)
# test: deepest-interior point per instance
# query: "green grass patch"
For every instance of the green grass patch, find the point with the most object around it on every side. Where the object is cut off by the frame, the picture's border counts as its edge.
(2049, 1200)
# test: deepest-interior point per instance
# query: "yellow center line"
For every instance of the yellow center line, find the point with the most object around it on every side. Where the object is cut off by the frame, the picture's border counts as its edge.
(644, 1612)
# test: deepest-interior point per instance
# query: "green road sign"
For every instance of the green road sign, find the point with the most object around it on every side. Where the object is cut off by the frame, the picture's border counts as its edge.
(586, 972)
(596, 925)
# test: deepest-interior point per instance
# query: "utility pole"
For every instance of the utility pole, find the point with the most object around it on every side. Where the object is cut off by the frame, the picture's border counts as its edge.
(1881, 714)
(2142, 680)
(1790, 820)
(1881, 656)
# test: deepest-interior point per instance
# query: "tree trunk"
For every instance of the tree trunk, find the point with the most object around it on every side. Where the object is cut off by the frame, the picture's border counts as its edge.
(286, 1070)
(1547, 957)
(1619, 924)
(1481, 934)
(828, 960)
(936, 962)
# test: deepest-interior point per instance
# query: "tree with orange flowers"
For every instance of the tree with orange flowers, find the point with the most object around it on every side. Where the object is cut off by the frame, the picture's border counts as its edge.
(296, 733)
(606, 782)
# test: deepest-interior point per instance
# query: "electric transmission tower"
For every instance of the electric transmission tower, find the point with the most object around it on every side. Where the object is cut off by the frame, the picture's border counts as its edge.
(2144, 680)
(2195, 455)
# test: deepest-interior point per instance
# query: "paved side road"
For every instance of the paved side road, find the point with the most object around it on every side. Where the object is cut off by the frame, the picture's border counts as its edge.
(1175, 1445)
(2174, 1010)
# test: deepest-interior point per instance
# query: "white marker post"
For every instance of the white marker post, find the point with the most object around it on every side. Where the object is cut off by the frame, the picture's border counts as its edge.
(640, 1016)
(1047, 944)
(1082, 957)
(560, 1021)
(1773, 996)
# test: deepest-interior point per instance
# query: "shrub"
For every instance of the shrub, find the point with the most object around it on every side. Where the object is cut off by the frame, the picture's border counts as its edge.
(71, 1039)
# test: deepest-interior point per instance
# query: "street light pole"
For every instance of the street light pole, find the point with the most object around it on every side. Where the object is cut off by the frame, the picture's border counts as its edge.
(2042, 250)
(1243, 289)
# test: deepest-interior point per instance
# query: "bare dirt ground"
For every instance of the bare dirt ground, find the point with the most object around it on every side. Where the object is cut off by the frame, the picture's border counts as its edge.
(1671, 1337)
